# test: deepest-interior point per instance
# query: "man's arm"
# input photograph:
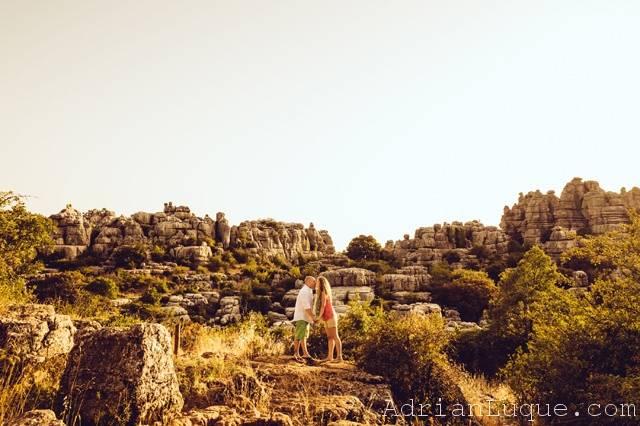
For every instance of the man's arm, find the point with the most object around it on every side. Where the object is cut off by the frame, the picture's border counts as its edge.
(310, 315)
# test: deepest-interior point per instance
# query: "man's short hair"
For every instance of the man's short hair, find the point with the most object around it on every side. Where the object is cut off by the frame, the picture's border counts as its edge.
(309, 278)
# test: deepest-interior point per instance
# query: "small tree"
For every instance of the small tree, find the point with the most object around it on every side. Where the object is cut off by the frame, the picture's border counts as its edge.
(364, 247)
(468, 291)
(130, 257)
(21, 234)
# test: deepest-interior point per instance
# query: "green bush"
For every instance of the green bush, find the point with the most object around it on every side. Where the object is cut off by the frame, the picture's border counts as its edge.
(130, 257)
(440, 273)
(241, 255)
(468, 292)
(104, 286)
(217, 263)
(377, 266)
(150, 296)
(409, 353)
(364, 247)
(63, 287)
(451, 256)
(158, 254)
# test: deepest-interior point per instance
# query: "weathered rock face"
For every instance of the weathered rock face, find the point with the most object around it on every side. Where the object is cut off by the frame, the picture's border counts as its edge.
(408, 278)
(350, 277)
(560, 241)
(290, 240)
(36, 332)
(583, 207)
(431, 243)
(121, 376)
(176, 228)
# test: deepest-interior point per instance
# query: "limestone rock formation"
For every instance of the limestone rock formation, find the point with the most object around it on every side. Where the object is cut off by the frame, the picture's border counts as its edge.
(350, 277)
(291, 240)
(559, 241)
(408, 278)
(431, 243)
(177, 228)
(36, 332)
(121, 376)
(583, 207)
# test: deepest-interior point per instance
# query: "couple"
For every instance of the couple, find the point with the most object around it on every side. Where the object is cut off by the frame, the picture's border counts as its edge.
(309, 311)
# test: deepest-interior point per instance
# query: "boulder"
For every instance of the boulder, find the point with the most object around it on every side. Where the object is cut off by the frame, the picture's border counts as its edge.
(36, 331)
(351, 277)
(120, 376)
(37, 418)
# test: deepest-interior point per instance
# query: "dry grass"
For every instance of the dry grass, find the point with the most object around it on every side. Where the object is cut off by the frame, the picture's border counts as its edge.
(25, 385)
(478, 391)
(214, 367)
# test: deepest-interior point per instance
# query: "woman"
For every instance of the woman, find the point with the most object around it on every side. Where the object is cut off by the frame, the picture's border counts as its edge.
(329, 319)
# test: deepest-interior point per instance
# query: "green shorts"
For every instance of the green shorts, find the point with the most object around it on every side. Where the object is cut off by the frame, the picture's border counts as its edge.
(302, 330)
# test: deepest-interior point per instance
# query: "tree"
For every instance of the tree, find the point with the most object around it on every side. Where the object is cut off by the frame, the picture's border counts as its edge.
(364, 247)
(588, 353)
(525, 295)
(22, 233)
(468, 291)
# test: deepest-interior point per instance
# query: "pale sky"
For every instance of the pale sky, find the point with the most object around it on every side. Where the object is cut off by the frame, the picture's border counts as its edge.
(365, 117)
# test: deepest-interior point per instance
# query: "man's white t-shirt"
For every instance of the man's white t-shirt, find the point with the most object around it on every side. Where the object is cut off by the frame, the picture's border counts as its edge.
(303, 301)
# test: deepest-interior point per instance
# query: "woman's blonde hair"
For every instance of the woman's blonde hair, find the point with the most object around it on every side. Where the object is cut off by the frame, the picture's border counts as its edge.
(325, 286)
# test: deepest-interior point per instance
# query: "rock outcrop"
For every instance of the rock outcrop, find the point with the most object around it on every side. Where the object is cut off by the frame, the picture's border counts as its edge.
(180, 232)
(36, 332)
(120, 376)
(583, 207)
(430, 244)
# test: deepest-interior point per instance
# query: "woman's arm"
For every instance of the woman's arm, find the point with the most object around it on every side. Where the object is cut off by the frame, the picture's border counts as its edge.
(324, 302)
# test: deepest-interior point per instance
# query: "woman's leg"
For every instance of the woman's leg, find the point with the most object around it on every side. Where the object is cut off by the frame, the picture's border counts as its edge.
(331, 336)
(338, 346)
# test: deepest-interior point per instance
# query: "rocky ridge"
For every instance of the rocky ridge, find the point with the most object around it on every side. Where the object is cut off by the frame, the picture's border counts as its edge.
(180, 232)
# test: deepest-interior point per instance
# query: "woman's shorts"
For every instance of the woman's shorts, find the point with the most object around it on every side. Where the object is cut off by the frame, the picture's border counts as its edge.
(331, 322)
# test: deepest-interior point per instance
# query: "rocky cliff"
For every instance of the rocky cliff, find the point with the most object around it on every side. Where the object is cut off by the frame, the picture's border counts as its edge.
(582, 207)
(430, 244)
(181, 233)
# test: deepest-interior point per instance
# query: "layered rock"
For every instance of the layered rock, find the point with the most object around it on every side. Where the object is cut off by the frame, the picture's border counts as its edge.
(290, 240)
(430, 244)
(36, 332)
(180, 232)
(352, 277)
(120, 376)
(583, 207)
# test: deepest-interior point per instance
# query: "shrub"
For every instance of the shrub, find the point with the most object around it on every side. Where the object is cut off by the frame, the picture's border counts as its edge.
(158, 254)
(150, 296)
(469, 293)
(103, 286)
(241, 255)
(481, 252)
(216, 263)
(409, 353)
(364, 247)
(64, 286)
(130, 257)
(377, 266)
(250, 269)
(294, 271)
(440, 273)
(451, 256)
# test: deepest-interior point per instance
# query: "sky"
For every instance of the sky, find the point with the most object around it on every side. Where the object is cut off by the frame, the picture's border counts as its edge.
(364, 117)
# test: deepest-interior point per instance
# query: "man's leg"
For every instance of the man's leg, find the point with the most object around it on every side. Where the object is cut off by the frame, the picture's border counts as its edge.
(305, 352)
(296, 348)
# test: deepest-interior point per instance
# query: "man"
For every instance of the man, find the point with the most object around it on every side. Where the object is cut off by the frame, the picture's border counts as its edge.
(302, 317)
